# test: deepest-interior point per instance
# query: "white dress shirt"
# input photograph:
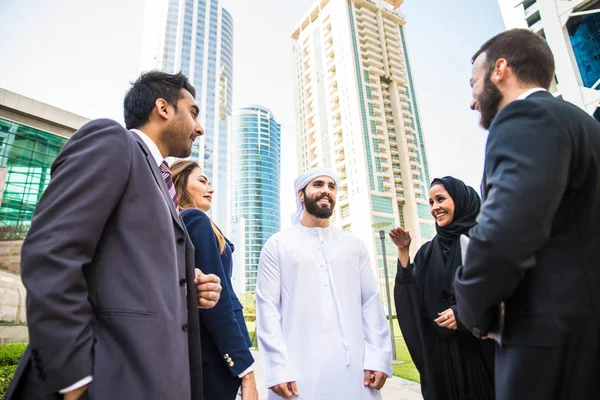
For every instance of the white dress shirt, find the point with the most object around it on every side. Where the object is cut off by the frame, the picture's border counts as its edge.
(526, 94)
(151, 146)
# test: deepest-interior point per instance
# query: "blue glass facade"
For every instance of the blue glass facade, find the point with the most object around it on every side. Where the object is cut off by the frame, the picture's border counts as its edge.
(202, 35)
(584, 32)
(256, 168)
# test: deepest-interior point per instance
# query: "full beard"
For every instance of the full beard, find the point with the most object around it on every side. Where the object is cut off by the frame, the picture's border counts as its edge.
(489, 102)
(320, 212)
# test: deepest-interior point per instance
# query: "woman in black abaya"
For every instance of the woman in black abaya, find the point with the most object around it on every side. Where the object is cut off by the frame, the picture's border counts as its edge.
(453, 364)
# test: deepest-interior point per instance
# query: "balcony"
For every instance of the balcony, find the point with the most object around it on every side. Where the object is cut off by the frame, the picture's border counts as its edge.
(337, 127)
(375, 68)
(368, 31)
(383, 156)
(371, 45)
(338, 142)
(390, 25)
(365, 12)
(370, 40)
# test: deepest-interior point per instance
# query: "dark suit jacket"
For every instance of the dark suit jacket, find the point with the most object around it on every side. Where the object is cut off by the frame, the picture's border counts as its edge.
(108, 268)
(225, 338)
(536, 248)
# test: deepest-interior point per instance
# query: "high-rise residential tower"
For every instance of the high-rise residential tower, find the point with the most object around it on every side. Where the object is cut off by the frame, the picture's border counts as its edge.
(357, 114)
(198, 41)
(255, 167)
(572, 30)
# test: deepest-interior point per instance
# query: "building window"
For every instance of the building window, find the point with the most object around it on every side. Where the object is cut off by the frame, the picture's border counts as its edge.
(26, 155)
(382, 204)
(584, 32)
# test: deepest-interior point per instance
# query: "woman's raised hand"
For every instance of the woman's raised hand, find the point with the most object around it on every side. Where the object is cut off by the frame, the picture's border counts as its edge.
(401, 238)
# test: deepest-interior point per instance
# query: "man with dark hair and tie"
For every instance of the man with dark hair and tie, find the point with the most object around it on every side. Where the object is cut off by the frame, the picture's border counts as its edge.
(531, 275)
(112, 291)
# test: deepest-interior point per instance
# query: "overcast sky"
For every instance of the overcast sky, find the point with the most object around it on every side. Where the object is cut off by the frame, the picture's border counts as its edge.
(80, 56)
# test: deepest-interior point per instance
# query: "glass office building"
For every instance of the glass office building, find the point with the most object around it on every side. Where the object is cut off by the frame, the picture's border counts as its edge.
(31, 136)
(26, 155)
(198, 41)
(584, 32)
(572, 30)
(256, 140)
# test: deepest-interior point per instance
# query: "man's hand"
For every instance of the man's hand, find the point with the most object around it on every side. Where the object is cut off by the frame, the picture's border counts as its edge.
(286, 390)
(446, 319)
(208, 288)
(75, 394)
(374, 379)
(249, 391)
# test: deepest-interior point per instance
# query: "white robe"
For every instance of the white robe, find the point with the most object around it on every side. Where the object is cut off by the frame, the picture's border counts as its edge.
(320, 321)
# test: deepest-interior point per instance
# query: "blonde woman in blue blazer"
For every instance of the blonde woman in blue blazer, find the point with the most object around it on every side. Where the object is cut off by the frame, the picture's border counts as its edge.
(226, 358)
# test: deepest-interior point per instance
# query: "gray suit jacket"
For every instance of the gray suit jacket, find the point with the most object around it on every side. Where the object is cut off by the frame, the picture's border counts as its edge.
(108, 268)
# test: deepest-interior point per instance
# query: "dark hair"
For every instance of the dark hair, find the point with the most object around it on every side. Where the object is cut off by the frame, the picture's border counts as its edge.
(150, 86)
(527, 54)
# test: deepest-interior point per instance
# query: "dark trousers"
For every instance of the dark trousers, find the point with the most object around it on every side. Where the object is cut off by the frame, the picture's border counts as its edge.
(567, 371)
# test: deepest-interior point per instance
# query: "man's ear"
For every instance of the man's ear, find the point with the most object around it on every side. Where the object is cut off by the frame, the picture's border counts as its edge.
(501, 71)
(301, 195)
(162, 108)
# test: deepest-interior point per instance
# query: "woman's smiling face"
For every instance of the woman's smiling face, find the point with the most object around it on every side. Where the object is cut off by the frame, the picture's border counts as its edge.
(441, 205)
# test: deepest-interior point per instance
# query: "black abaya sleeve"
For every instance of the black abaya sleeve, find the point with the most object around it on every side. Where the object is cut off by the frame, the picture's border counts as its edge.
(408, 297)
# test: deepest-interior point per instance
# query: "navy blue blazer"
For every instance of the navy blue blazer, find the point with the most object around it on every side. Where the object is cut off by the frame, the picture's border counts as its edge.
(224, 336)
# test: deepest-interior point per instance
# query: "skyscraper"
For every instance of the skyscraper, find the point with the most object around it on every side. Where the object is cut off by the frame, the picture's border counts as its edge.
(198, 41)
(572, 30)
(357, 114)
(256, 141)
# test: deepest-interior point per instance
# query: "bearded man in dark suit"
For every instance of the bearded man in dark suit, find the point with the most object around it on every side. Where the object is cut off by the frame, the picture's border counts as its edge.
(531, 277)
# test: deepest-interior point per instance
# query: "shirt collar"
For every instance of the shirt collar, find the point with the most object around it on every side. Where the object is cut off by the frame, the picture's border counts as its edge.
(526, 94)
(151, 146)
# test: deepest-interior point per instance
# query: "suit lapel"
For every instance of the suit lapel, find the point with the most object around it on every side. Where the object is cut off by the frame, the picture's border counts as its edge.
(159, 180)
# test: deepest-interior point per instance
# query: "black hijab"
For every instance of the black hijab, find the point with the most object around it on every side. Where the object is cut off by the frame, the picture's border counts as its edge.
(444, 253)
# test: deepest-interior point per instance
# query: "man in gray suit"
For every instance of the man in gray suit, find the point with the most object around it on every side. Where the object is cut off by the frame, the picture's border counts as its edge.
(112, 293)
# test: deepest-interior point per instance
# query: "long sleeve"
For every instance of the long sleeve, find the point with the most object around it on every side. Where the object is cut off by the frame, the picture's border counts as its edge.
(405, 276)
(528, 157)
(219, 320)
(276, 360)
(378, 348)
(88, 179)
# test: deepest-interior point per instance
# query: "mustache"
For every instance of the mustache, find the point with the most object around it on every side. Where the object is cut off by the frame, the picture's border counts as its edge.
(324, 196)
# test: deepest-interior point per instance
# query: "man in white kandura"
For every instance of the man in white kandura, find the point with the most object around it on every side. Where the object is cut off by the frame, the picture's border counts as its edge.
(321, 327)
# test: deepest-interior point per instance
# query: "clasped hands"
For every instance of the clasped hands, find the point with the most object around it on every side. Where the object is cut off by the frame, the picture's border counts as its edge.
(373, 379)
